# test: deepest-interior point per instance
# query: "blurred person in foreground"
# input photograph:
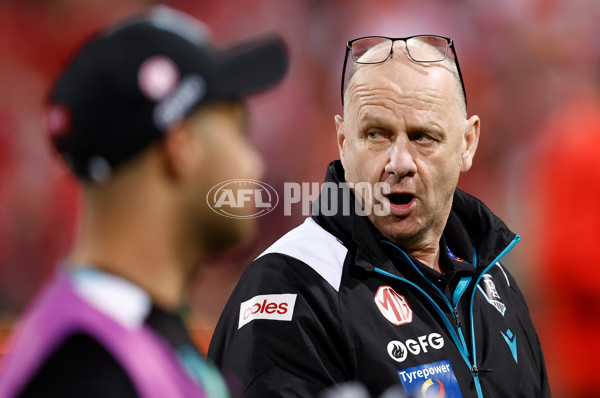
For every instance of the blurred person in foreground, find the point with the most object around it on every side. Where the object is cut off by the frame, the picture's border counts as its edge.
(400, 286)
(149, 117)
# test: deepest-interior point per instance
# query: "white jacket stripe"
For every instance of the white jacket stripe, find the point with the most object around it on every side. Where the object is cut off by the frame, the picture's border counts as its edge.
(315, 247)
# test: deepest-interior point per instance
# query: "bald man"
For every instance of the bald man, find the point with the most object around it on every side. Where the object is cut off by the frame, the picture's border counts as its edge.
(406, 290)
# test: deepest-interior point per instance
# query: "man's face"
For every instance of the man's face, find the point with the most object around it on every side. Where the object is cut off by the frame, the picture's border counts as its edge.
(403, 125)
(226, 153)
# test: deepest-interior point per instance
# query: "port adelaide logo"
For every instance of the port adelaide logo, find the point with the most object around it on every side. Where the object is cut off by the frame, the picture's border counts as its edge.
(488, 289)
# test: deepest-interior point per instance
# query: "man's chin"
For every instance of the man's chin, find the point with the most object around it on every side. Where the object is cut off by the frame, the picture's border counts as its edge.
(398, 231)
(233, 233)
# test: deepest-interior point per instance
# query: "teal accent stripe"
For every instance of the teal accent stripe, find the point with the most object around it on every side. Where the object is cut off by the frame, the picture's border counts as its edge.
(478, 387)
(508, 248)
(462, 338)
(474, 258)
(462, 285)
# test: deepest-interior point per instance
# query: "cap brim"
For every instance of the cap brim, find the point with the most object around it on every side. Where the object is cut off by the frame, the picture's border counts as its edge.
(250, 68)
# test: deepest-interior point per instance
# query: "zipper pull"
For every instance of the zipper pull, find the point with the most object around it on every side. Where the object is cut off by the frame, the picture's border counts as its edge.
(475, 371)
(458, 322)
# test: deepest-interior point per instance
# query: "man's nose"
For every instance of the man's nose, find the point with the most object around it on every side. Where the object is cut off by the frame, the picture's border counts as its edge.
(401, 162)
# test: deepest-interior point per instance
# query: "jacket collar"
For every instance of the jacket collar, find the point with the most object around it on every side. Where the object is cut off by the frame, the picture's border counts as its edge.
(472, 229)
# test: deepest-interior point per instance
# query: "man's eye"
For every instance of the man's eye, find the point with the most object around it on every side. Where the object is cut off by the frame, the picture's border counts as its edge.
(374, 135)
(421, 137)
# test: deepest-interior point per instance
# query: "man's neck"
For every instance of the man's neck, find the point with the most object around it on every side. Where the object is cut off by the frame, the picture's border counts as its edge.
(425, 248)
(139, 244)
(429, 257)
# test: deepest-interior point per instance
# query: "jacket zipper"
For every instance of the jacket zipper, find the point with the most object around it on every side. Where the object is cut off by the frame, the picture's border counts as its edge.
(504, 252)
(458, 338)
(462, 348)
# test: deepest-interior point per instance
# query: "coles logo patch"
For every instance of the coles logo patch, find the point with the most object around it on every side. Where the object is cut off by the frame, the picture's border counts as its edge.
(432, 380)
(393, 306)
(276, 307)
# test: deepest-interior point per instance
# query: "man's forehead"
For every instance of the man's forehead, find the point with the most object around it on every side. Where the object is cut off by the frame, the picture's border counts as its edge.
(391, 89)
(411, 110)
(400, 74)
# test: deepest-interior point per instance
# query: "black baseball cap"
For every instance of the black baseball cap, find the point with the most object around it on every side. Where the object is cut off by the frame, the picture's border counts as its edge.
(128, 85)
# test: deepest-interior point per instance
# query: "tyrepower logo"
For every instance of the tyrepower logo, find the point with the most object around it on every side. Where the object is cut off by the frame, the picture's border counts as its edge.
(229, 195)
(277, 307)
(393, 306)
(434, 379)
(399, 350)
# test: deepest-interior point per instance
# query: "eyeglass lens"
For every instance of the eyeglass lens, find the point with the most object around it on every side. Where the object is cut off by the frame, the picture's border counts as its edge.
(420, 49)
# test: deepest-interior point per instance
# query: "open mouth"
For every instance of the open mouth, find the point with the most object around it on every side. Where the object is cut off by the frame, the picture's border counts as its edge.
(400, 198)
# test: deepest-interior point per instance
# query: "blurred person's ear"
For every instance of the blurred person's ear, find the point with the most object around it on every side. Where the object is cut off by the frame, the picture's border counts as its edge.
(470, 142)
(183, 151)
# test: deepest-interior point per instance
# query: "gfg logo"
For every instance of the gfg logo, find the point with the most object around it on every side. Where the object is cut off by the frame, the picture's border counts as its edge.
(399, 350)
(225, 197)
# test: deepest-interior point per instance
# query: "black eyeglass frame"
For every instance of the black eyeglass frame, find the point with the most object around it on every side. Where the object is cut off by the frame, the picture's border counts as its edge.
(449, 41)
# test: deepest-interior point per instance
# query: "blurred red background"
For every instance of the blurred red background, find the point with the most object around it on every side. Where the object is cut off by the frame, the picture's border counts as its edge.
(531, 70)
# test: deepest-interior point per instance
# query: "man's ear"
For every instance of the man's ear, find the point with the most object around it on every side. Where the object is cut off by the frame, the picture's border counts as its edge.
(341, 137)
(471, 140)
(180, 152)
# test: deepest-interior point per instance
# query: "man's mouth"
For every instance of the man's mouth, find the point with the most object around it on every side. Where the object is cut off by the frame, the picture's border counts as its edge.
(400, 199)
(402, 204)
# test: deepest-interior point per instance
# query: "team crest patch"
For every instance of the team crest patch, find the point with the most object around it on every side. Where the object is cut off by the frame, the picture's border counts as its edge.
(491, 294)
(432, 380)
(393, 306)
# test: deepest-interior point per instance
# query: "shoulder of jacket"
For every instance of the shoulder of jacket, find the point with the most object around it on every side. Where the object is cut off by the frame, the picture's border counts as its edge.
(315, 247)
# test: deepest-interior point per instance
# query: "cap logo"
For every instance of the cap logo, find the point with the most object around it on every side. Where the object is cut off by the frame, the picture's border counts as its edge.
(157, 77)
(172, 109)
(58, 121)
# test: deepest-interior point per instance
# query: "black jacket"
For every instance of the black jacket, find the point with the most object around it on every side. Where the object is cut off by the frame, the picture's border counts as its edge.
(332, 301)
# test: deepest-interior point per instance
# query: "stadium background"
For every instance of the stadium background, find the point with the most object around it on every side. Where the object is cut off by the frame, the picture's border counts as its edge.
(531, 71)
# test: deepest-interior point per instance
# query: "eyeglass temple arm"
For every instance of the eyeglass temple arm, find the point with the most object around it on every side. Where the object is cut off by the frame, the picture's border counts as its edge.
(344, 71)
(462, 82)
